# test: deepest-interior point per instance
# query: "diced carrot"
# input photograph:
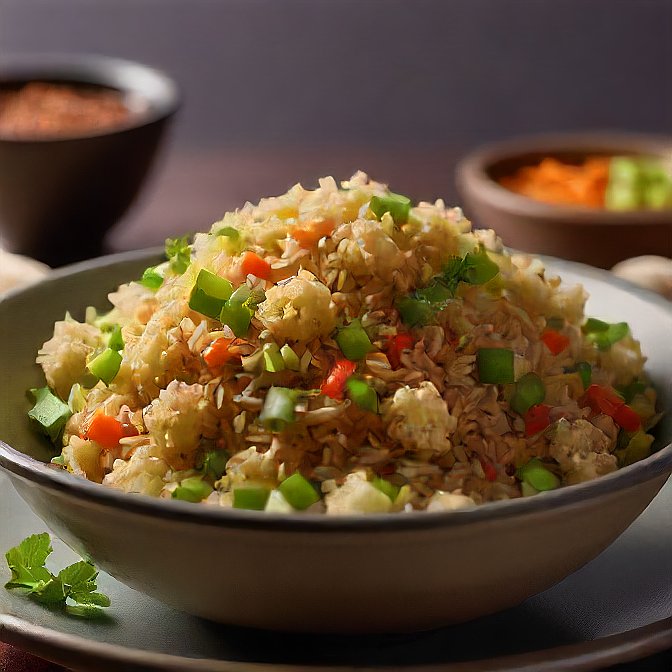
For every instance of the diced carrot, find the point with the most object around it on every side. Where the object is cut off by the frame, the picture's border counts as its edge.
(334, 385)
(555, 341)
(537, 419)
(253, 264)
(105, 430)
(308, 234)
(218, 353)
(396, 345)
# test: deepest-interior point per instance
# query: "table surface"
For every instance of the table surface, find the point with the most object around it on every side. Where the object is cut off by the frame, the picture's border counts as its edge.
(190, 190)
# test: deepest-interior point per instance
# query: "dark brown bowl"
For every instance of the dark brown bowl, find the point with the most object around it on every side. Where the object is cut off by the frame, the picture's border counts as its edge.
(59, 196)
(589, 235)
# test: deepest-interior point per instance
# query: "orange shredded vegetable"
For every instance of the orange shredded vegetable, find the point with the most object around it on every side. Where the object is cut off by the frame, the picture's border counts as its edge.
(218, 353)
(562, 183)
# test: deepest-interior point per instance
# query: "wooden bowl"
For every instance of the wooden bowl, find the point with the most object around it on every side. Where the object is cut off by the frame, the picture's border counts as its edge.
(589, 235)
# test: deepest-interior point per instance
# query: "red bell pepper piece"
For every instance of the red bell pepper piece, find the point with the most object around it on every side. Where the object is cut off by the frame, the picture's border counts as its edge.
(395, 346)
(537, 418)
(334, 384)
(603, 399)
(253, 264)
(555, 341)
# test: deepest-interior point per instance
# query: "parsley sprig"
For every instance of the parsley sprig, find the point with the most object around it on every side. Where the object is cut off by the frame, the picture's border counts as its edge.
(178, 252)
(74, 587)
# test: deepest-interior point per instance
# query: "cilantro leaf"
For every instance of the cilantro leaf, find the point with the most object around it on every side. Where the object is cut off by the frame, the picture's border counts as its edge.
(178, 252)
(75, 584)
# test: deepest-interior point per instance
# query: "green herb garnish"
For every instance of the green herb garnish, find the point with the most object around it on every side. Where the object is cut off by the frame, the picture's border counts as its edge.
(178, 252)
(73, 588)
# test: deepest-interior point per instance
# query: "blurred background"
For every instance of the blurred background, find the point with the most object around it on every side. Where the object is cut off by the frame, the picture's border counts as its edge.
(277, 91)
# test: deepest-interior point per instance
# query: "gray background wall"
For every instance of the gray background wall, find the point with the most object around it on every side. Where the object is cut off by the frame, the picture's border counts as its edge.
(295, 76)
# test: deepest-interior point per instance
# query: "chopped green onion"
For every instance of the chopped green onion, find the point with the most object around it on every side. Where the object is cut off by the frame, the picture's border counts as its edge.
(151, 278)
(529, 392)
(106, 365)
(116, 341)
(478, 268)
(414, 312)
(241, 294)
(397, 205)
(585, 370)
(435, 292)
(387, 488)
(193, 489)
(214, 463)
(637, 448)
(602, 337)
(278, 410)
(527, 490)
(630, 391)
(59, 460)
(273, 359)
(298, 491)
(290, 358)
(236, 316)
(229, 232)
(362, 394)
(210, 293)
(555, 323)
(538, 476)
(495, 365)
(49, 413)
(353, 341)
(250, 498)
(178, 252)
(76, 398)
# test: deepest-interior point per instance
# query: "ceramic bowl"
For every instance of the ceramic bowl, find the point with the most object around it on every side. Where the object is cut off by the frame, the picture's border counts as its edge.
(378, 573)
(589, 235)
(59, 196)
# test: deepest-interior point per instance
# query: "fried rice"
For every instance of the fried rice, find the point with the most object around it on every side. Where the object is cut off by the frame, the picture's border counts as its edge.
(343, 351)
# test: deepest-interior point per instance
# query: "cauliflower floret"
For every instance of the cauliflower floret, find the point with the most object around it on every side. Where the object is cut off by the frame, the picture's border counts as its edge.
(357, 495)
(251, 465)
(448, 501)
(175, 422)
(63, 357)
(82, 458)
(143, 474)
(419, 418)
(582, 451)
(300, 309)
(624, 360)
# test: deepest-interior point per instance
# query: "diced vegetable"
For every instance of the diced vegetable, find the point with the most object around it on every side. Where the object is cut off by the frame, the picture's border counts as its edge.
(290, 358)
(495, 365)
(478, 268)
(237, 317)
(637, 448)
(308, 234)
(76, 398)
(585, 370)
(105, 430)
(555, 341)
(210, 293)
(273, 360)
(603, 399)
(298, 491)
(214, 463)
(362, 394)
(218, 352)
(250, 498)
(396, 345)
(534, 473)
(253, 264)
(334, 385)
(537, 419)
(116, 340)
(489, 470)
(414, 312)
(229, 232)
(530, 391)
(278, 410)
(193, 489)
(397, 205)
(178, 252)
(628, 392)
(353, 341)
(387, 488)
(49, 413)
(603, 334)
(151, 278)
(106, 365)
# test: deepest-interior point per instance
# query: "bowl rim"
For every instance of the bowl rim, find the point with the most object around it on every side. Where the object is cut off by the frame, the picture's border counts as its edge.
(472, 175)
(29, 469)
(151, 84)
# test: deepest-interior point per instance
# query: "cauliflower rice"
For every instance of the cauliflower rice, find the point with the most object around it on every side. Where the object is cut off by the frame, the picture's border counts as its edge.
(374, 357)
